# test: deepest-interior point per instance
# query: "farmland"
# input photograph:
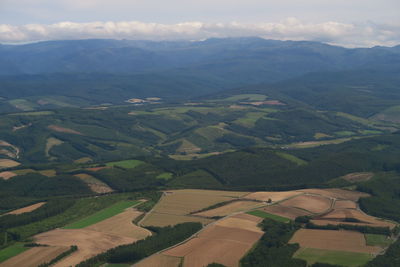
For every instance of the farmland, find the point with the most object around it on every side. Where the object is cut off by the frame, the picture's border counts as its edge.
(27, 209)
(262, 214)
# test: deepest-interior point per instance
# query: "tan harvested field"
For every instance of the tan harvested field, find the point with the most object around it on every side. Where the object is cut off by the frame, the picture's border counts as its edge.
(337, 193)
(121, 225)
(333, 240)
(274, 196)
(287, 212)
(95, 169)
(7, 175)
(345, 204)
(358, 176)
(48, 173)
(337, 216)
(175, 205)
(63, 130)
(13, 152)
(27, 208)
(230, 208)
(160, 260)
(224, 242)
(311, 203)
(8, 163)
(89, 243)
(94, 184)
(34, 257)
(50, 143)
(83, 160)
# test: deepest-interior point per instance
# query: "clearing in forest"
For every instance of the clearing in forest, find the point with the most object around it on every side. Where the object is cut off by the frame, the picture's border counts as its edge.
(7, 175)
(8, 163)
(94, 184)
(127, 164)
(63, 130)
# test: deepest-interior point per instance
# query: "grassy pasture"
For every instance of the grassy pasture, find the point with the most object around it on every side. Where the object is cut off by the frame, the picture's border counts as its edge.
(12, 251)
(248, 97)
(344, 258)
(33, 113)
(102, 214)
(264, 215)
(127, 164)
(165, 176)
(377, 240)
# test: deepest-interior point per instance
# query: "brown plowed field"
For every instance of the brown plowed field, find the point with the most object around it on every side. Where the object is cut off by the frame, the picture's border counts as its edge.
(89, 242)
(337, 193)
(224, 242)
(27, 208)
(230, 208)
(274, 196)
(345, 204)
(311, 203)
(7, 175)
(174, 205)
(121, 225)
(333, 240)
(63, 130)
(34, 257)
(160, 260)
(337, 216)
(287, 212)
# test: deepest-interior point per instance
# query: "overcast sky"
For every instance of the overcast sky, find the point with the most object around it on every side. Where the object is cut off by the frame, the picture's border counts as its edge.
(344, 22)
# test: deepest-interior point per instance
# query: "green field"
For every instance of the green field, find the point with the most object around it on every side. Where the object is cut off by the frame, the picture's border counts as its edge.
(102, 215)
(248, 97)
(12, 251)
(377, 240)
(264, 215)
(127, 164)
(344, 258)
(165, 176)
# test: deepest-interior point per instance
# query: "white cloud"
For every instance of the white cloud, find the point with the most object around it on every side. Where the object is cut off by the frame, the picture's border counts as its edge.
(346, 34)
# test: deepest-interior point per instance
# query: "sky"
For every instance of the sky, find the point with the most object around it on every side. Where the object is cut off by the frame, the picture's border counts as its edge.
(351, 23)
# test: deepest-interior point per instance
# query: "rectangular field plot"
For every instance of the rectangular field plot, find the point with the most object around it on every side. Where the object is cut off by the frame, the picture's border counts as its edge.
(102, 215)
(262, 214)
(12, 251)
(378, 240)
(344, 258)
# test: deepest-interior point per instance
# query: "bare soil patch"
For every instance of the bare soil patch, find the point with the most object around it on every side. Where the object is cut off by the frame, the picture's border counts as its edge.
(287, 212)
(7, 175)
(311, 203)
(358, 176)
(27, 208)
(160, 260)
(89, 242)
(345, 204)
(35, 256)
(94, 184)
(83, 160)
(8, 163)
(337, 193)
(63, 130)
(230, 208)
(122, 225)
(274, 196)
(333, 240)
(163, 219)
(95, 169)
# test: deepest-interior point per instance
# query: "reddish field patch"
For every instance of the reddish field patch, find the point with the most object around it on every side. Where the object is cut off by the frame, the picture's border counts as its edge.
(7, 175)
(311, 203)
(333, 240)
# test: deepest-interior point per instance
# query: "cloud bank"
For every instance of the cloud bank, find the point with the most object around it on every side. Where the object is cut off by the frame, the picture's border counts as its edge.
(345, 34)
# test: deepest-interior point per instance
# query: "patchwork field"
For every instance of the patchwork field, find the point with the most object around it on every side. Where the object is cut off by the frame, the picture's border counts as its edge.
(224, 242)
(11, 251)
(35, 256)
(337, 193)
(343, 258)
(175, 206)
(263, 214)
(160, 260)
(27, 209)
(333, 240)
(274, 196)
(311, 203)
(287, 212)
